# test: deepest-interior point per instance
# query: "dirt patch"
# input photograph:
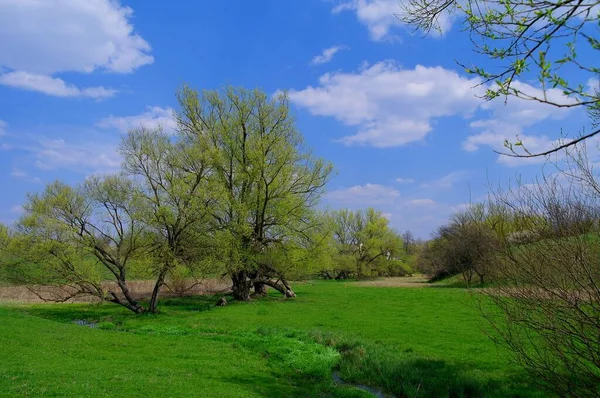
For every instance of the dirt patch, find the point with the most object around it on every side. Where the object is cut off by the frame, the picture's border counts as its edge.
(140, 289)
(404, 281)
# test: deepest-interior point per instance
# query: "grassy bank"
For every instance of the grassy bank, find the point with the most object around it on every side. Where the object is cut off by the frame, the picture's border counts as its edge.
(408, 341)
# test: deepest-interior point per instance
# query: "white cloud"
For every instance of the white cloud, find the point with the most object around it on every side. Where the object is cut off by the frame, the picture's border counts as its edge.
(343, 7)
(327, 55)
(495, 140)
(404, 180)
(52, 86)
(420, 202)
(40, 38)
(508, 121)
(364, 195)
(23, 175)
(52, 36)
(18, 173)
(448, 180)
(593, 84)
(88, 153)
(528, 112)
(381, 16)
(391, 106)
(461, 207)
(17, 209)
(87, 157)
(154, 117)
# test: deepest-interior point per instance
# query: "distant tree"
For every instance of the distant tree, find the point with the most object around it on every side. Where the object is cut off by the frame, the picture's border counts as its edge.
(4, 237)
(555, 42)
(267, 181)
(365, 245)
(408, 241)
(467, 246)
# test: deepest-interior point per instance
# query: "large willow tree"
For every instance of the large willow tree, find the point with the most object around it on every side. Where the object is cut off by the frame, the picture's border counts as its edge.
(267, 183)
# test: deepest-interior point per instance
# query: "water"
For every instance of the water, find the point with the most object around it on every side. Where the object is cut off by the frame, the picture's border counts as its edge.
(82, 322)
(375, 392)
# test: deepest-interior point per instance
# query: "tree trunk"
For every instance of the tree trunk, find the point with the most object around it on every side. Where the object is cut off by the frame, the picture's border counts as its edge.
(138, 309)
(154, 298)
(284, 288)
(241, 286)
(359, 273)
(260, 289)
(468, 276)
(341, 275)
(130, 303)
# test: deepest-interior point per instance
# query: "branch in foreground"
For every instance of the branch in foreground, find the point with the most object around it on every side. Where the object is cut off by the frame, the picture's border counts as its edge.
(513, 154)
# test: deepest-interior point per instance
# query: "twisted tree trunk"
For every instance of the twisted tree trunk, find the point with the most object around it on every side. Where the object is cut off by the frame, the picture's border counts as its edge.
(153, 306)
(241, 285)
(283, 288)
(260, 289)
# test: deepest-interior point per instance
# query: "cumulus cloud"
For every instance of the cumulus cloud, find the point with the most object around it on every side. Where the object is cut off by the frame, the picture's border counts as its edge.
(363, 195)
(23, 175)
(327, 55)
(496, 137)
(154, 117)
(593, 85)
(39, 39)
(17, 209)
(448, 180)
(390, 106)
(85, 157)
(52, 86)
(508, 121)
(381, 16)
(53, 36)
(420, 202)
(90, 153)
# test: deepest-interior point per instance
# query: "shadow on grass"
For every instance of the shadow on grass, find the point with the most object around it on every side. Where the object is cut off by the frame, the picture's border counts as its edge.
(294, 387)
(109, 312)
(407, 374)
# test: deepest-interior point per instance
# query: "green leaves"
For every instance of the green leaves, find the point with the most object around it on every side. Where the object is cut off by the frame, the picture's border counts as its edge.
(526, 40)
(266, 181)
(364, 243)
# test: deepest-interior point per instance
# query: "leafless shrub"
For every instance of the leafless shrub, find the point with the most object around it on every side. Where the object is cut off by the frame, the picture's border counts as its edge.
(467, 246)
(548, 288)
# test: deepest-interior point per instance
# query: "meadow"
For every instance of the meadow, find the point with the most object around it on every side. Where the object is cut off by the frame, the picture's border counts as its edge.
(401, 340)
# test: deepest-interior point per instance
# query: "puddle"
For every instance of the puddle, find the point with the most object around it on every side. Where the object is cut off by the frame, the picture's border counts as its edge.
(375, 392)
(82, 322)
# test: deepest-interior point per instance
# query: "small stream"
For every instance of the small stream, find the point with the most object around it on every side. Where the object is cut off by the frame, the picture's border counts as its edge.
(375, 392)
(336, 376)
(82, 322)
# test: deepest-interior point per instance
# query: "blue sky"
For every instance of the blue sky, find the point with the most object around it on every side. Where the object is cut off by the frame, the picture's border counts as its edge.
(391, 109)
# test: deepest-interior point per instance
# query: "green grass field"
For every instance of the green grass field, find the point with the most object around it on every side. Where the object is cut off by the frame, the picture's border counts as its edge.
(405, 341)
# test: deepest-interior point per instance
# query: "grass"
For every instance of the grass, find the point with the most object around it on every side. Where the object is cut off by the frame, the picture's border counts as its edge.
(407, 341)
